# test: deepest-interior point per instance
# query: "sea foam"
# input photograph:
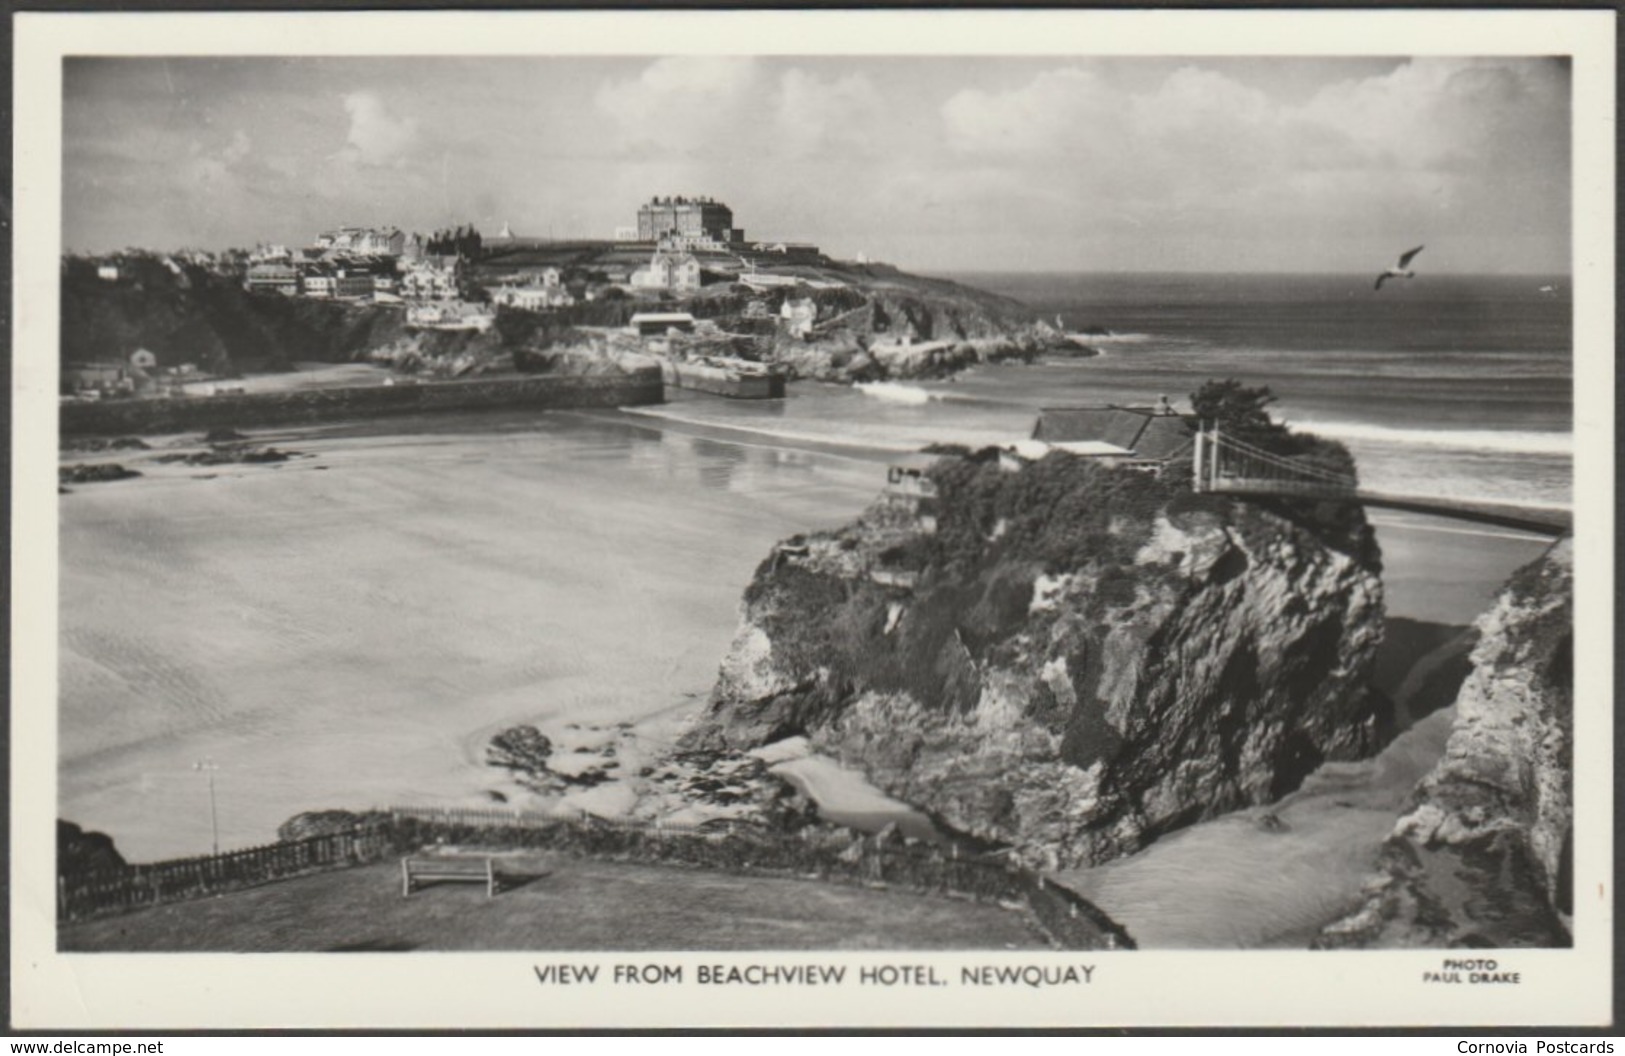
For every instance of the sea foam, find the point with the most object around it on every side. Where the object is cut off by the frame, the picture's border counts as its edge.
(893, 392)
(1525, 442)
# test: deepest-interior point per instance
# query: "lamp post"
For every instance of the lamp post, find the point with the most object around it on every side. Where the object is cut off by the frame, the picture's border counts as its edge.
(208, 766)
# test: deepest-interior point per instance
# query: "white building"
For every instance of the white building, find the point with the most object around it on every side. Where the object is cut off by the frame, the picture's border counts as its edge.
(449, 315)
(270, 253)
(798, 316)
(532, 298)
(387, 242)
(767, 280)
(107, 272)
(431, 279)
(658, 324)
(270, 277)
(319, 284)
(668, 271)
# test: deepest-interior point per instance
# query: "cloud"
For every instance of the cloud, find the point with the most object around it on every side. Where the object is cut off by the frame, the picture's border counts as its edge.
(814, 114)
(1459, 144)
(220, 170)
(685, 103)
(238, 148)
(377, 137)
(1057, 109)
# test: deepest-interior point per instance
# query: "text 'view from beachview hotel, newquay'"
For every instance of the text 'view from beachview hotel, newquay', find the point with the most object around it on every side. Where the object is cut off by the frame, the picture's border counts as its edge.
(815, 503)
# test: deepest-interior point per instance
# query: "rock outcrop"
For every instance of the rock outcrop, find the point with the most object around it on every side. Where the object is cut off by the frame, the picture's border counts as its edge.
(1481, 858)
(1068, 659)
(196, 316)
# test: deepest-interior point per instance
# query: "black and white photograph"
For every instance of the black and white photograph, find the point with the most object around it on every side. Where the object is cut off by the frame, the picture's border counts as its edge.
(963, 523)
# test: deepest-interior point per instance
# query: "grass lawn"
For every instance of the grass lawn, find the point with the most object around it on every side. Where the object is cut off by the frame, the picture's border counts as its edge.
(578, 904)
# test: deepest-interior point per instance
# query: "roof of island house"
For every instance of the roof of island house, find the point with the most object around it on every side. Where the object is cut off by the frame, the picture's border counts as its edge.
(1149, 432)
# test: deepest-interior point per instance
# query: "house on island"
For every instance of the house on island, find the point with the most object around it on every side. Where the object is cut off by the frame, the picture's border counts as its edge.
(1148, 438)
(907, 475)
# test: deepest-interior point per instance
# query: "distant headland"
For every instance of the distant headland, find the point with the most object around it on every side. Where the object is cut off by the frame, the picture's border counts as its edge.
(683, 284)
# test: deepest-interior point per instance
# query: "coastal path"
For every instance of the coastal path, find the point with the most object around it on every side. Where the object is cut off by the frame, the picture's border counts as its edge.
(1224, 465)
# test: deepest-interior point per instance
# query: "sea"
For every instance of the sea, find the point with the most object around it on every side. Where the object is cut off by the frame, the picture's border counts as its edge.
(1445, 387)
(350, 628)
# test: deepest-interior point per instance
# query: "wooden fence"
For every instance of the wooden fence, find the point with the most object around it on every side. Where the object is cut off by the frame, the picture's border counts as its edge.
(87, 894)
(488, 817)
(835, 855)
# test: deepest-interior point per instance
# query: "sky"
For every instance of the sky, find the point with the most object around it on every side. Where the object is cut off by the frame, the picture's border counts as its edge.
(935, 164)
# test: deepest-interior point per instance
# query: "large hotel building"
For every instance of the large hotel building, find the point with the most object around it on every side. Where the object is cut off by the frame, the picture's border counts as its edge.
(688, 221)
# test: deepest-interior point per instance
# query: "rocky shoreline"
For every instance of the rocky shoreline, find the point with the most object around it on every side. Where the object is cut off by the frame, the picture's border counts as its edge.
(1063, 665)
(842, 322)
(1482, 857)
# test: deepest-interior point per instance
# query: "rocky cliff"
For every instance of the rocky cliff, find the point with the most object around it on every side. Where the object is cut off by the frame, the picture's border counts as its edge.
(192, 315)
(1065, 658)
(859, 323)
(849, 322)
(1481, 857)
(887, 325)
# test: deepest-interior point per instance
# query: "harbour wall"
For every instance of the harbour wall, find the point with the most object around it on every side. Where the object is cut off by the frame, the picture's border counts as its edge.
(181, 414)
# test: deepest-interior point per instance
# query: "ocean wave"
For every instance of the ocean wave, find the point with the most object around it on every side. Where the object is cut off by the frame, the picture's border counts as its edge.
(1512, 441)
(894, 392)
(1109, 338)
(1449, 493)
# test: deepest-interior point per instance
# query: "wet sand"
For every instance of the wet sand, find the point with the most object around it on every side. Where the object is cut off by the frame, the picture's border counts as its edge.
(1270, 876)
(352, 635)
(349, 629)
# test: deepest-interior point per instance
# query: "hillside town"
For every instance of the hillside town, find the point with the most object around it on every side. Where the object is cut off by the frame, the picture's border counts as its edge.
(679, 249)
(680, 244)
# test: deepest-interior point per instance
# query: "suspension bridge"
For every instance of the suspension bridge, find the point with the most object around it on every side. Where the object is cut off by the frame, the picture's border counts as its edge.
(1225, 465)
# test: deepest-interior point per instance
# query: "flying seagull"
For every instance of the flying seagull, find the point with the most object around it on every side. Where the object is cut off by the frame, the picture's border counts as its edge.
(1399, 272)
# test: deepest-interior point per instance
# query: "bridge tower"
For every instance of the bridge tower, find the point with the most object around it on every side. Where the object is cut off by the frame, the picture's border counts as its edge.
(1196, 459)
(1205, 458)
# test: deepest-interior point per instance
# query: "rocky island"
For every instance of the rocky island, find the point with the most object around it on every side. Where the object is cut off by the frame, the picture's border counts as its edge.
(1064, 658)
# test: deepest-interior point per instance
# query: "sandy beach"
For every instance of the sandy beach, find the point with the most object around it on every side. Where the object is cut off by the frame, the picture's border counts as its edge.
(349, 629)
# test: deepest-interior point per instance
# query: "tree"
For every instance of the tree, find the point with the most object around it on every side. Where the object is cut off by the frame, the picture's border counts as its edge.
(1243, 413)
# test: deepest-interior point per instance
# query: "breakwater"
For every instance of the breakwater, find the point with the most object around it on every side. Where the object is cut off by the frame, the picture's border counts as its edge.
(180, 414)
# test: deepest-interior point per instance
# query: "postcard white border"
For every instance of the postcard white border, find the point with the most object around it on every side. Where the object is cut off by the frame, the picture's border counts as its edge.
(1253, 988)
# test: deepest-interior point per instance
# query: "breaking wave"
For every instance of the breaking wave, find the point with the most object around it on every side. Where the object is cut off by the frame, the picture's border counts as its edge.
(1507, 441)
(893, 392)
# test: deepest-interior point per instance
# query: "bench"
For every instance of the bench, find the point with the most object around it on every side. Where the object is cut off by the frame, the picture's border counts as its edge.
(476, 869)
